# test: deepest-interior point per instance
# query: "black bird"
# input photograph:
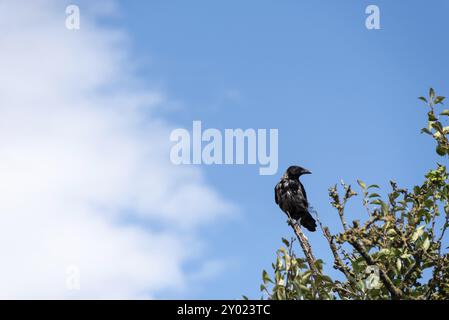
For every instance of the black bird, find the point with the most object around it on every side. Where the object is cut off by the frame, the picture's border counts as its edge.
(291, 197)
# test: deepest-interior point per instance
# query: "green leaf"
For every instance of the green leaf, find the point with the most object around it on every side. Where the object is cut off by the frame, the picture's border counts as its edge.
(418, 233)
(425, 130)
(391, 232)
(361, 285)
(361, 184)
(377, 201)
(445, 112)
(437, 126)
(285, 241)
(423, 99)
(431, 94)
(373, 195)
(385, 208)
(440, 150)
(373, 186)
(306, 276)
(406, 256)
(439, 99)
(301, 263)
(398, 264)
(426, 244)
(266, 278)
(431, 117)
(279, 265)
(281, 293)
(288, 260)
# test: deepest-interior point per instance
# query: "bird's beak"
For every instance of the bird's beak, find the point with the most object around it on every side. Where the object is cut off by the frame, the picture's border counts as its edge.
(306, 172)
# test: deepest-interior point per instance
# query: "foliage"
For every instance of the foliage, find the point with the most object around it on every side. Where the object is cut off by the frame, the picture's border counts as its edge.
(398, 252)
(293, 280)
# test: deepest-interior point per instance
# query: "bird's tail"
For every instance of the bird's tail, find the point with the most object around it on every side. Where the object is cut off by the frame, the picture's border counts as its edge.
(308, 222)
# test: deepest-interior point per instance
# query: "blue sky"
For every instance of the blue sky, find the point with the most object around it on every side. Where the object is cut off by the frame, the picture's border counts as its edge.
(87, 116)
(343, 98)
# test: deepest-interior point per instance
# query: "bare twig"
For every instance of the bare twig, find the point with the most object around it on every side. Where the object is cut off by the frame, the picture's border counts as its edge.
(339, 265)
(306, 248)
(342, 292)
(338, 262)
(305, 245)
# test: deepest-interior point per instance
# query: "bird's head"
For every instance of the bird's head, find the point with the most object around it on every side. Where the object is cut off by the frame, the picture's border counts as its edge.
(294, 172)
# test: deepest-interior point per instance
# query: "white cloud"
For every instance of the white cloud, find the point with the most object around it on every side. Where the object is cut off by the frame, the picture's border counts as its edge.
(80, 157)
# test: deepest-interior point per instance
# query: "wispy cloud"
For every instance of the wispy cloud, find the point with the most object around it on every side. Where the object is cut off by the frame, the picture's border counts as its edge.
(81, 157)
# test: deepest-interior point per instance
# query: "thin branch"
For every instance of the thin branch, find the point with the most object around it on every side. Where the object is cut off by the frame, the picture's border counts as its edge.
(340, 290)
(395, 292)
(339, 264)
(306, 248)
(342, 216)
(443, 230)
(409, 273)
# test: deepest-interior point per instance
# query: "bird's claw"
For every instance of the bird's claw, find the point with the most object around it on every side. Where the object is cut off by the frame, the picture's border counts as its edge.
(291, 222)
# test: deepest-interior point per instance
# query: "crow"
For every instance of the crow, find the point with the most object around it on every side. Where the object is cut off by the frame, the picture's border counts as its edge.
(291, 197)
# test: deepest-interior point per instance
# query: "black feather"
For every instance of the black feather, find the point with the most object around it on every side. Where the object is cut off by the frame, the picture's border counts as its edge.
(291, 197)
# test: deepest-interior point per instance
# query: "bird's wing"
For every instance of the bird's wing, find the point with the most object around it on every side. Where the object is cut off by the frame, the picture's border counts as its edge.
(289, 194)
(297, 195)
(303, 190)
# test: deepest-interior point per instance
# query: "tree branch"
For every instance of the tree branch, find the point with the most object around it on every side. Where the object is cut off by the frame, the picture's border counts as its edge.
(395, 292)
(306, 248)
(339, 265)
